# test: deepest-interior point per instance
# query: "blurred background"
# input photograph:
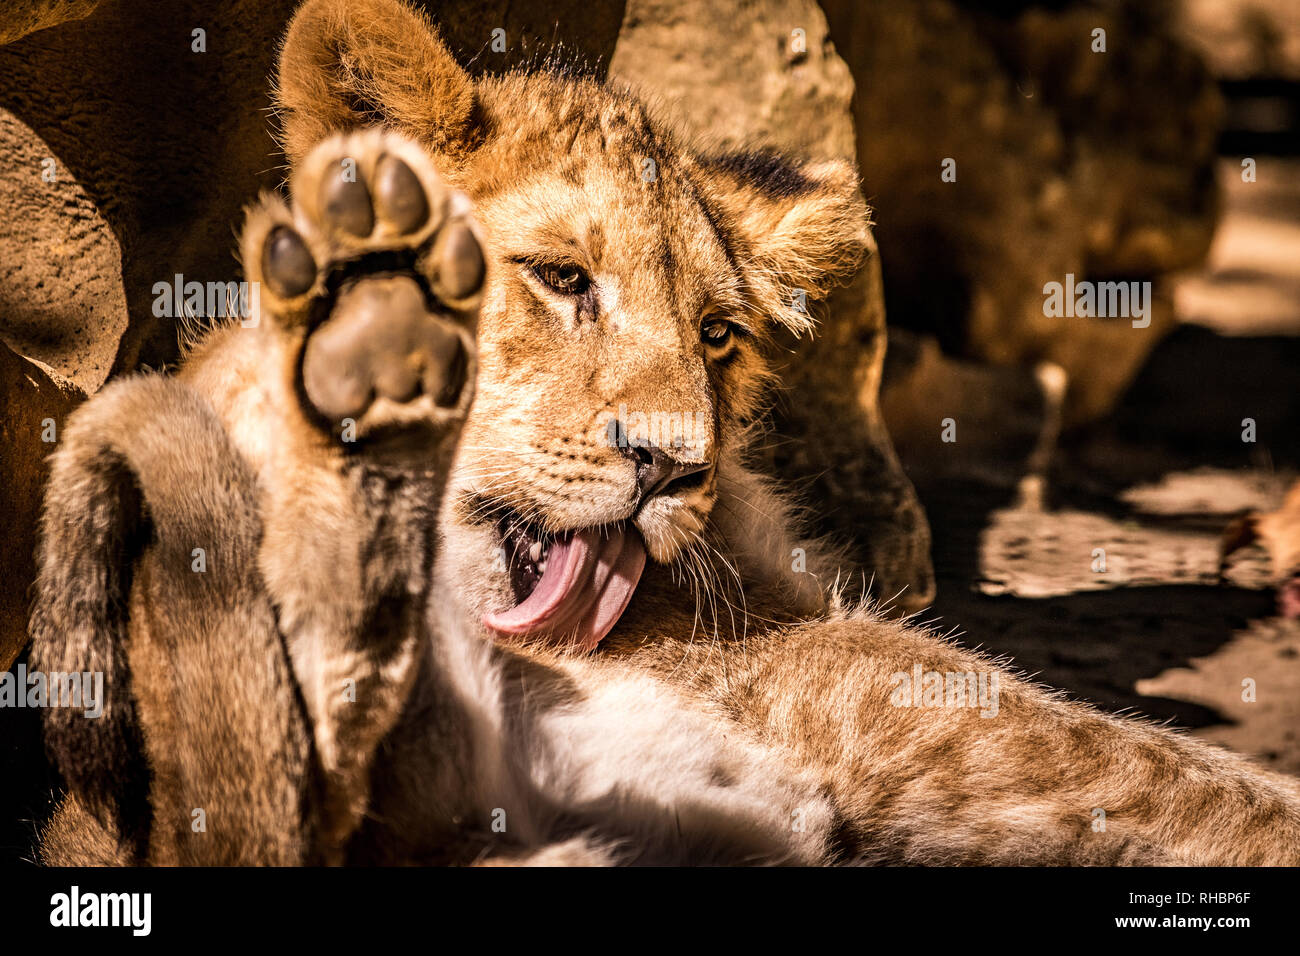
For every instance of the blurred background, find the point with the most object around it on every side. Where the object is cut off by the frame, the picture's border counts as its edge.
(1183, 168)
(1117, 140)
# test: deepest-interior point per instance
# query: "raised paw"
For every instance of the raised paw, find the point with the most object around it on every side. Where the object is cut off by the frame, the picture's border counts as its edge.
(373, 275)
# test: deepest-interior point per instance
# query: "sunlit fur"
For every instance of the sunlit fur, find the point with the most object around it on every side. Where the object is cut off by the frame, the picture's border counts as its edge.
(746, 614)
(745, 618)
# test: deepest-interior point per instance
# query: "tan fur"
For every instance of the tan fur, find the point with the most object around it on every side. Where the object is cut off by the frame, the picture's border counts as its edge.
(554, 165)
(302, 692)
(593, 761)
(162, 486)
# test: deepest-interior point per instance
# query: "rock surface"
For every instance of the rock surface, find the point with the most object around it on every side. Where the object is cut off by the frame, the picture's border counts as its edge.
(61, 296)
(32, 408)
(22, 17)
(1066, 161)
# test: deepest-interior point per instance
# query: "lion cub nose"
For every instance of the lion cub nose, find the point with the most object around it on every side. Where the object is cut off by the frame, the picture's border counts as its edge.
(382, 343)
(657, 471)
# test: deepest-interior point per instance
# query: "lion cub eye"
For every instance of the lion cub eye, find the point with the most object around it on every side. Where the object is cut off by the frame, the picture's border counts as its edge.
(564, 279)
(716, 332)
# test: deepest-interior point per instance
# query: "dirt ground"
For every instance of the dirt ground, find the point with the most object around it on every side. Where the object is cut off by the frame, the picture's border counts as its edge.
(1156, 632)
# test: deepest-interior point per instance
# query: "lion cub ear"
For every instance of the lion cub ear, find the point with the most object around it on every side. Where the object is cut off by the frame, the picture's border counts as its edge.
(800, 228)
(349, 63)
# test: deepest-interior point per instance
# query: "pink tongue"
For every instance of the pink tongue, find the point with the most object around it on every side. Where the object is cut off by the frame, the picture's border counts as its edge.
(588, 582)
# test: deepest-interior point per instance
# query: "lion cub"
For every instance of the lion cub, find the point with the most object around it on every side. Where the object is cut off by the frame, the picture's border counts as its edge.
(281, 686)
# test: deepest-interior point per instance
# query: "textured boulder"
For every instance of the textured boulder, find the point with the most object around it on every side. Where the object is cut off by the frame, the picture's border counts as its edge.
(767, 72)
(61, 296)
(1066, 161)
(32, 408)
(167, 146)
(21, 17)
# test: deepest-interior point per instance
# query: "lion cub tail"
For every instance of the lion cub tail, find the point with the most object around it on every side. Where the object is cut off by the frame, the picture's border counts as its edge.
(126, 465)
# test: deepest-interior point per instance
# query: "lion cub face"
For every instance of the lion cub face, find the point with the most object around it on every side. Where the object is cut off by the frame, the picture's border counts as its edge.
(621, 357)
(633, 282)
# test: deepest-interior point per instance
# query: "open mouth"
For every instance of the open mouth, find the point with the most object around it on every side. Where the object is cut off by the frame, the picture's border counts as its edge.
(572, 586)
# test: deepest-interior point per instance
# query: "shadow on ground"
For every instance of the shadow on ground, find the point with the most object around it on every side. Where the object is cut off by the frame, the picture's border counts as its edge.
(1098, 645)
(1184, 412)
(1187, 406)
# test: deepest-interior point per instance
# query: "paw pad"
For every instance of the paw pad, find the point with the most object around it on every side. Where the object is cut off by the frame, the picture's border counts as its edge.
(345, 200)
(287, 265)
(399, 196)
(379, 267)
(459, 261)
